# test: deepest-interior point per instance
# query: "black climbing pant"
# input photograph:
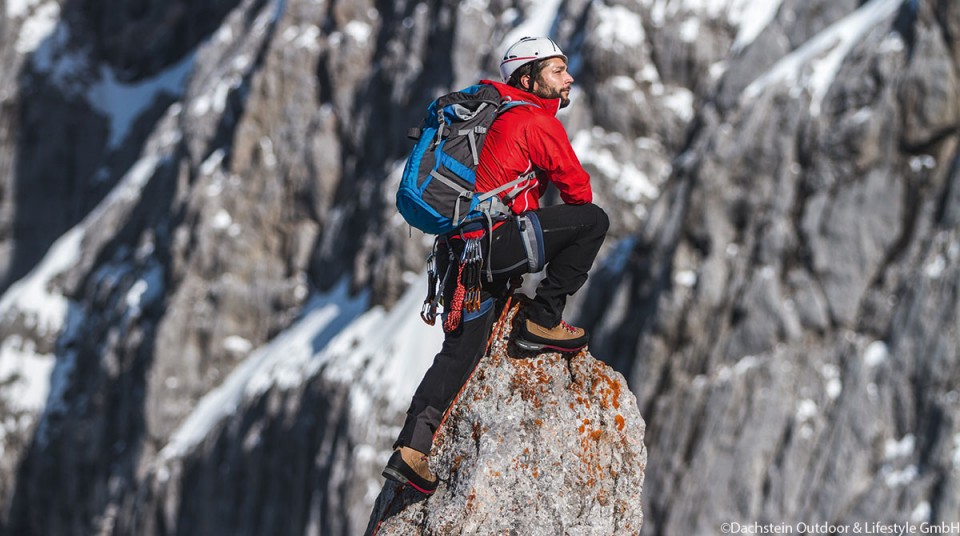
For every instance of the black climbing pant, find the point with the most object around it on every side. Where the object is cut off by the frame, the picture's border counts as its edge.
(565, 238)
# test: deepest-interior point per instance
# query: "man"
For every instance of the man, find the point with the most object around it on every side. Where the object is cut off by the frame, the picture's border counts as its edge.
(526, 141)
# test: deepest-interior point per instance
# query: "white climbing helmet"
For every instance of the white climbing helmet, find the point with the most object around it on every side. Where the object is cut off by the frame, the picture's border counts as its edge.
(526, 50)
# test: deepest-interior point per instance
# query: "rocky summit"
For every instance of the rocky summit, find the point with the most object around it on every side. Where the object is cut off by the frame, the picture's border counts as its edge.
(534, 445)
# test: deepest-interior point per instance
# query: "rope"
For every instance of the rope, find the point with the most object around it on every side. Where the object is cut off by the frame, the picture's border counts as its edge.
(456, 304)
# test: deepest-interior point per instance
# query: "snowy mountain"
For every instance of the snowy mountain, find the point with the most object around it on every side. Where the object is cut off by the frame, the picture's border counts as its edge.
(209, 314)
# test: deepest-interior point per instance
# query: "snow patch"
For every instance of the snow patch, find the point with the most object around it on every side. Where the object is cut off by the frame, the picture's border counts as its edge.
(623, 83)
(42, 307)
(680, 101)
(128, 189)
(145, 291)
(895, 478)
(266, 149)
(751, 17)
(746, 363)
(359, 31)
(649, 73)
(538, 22)
(806, 410)
(892, 43)
(921, 513)
(741, 367)
(922, 163)
(121, 102)
(935, 268)
(831, 374)
(685, 278)
(396, 345)
(618, 26)
(379, 353)
(894, 450)
(221, 220)
(237, 344)
(876, 353)
(690, 30)
(815, 64)
(45, 311)
(282, 362)
(212, 163)
(216, 100)
(19, 8)
(306, 38)
(38, 27)
(903, 448)
(24, 374)
(631, 184)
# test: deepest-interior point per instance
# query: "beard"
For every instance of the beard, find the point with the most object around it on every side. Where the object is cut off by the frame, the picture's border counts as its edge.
(545, 92)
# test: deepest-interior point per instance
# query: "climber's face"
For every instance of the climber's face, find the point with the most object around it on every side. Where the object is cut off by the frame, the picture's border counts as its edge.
(553, 81)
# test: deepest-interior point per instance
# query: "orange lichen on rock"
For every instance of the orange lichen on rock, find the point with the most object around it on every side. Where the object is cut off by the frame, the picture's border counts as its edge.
(605, 387)
(530, 380)
(482, 392)
(525, 462)
(620, 422)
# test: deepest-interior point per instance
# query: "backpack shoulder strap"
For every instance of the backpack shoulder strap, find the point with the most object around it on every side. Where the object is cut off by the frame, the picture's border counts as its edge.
(506, 106)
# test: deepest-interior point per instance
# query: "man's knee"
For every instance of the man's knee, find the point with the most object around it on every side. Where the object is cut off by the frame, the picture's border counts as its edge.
(601, 220)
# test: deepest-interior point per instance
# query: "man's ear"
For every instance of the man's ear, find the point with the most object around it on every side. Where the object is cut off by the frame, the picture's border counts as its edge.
(526, 82)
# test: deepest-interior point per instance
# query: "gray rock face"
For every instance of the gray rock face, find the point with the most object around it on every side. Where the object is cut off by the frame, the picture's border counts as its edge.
(792, 299)
(539, 445)
(779, 285)
(62, 154)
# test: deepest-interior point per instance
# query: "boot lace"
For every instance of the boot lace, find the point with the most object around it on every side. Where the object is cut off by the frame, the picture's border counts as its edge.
(568, 327)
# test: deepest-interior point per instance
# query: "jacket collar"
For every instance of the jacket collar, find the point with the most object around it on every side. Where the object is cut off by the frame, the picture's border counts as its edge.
(511, 93)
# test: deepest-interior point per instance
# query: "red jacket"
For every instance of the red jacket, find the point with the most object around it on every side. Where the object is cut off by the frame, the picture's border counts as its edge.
(529, 138)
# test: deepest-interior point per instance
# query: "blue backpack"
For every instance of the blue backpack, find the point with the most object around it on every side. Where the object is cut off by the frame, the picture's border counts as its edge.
(436, 193)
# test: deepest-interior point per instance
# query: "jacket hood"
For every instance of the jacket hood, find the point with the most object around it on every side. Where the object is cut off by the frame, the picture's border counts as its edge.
(509, 92)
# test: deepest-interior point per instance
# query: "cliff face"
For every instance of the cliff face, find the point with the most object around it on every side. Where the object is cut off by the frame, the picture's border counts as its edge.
(792, 301)
(537, 445)
(208, 323)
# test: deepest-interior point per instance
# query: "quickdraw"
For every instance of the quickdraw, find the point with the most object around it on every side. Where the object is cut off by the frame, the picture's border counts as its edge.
(428, 312)
(466, 297)
(472, 263)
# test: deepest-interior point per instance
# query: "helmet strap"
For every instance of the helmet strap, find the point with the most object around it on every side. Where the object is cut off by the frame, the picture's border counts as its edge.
(533, 69)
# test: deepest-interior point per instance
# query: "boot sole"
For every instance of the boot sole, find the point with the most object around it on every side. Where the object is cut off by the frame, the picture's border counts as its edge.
(537, 347)
(392, 474)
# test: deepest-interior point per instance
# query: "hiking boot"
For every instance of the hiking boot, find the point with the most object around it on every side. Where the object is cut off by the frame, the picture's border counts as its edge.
(409, 466)
(563, 337)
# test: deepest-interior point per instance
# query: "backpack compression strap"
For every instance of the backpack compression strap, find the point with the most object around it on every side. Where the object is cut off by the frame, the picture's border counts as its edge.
(496, 206)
